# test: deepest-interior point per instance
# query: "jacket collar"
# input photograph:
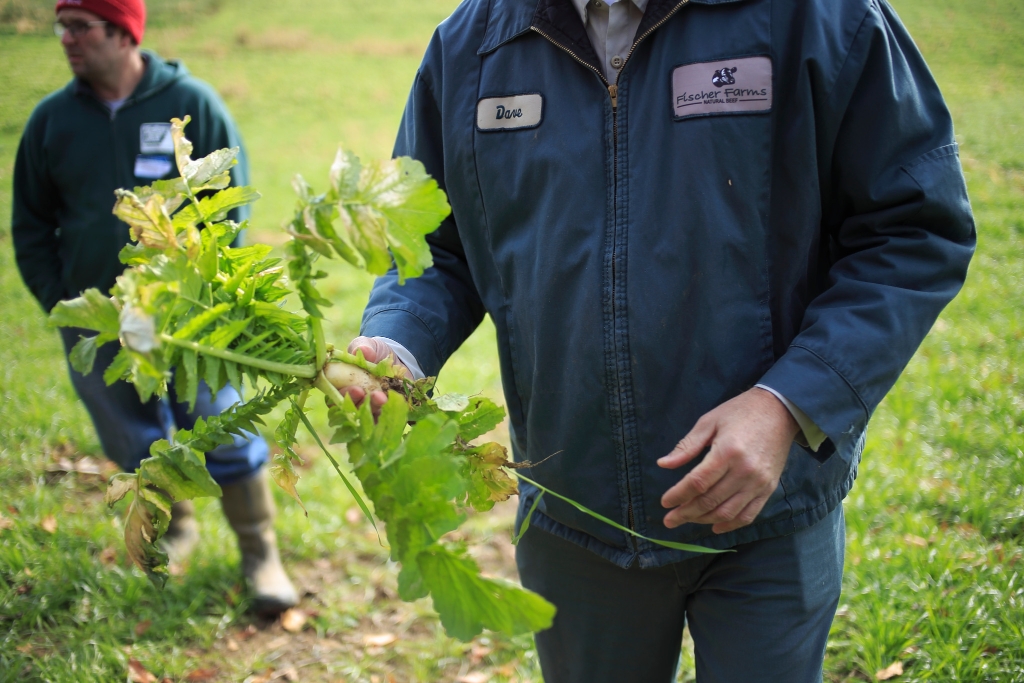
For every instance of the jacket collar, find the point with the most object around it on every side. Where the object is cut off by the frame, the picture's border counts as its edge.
(509, 19)
(581, 7)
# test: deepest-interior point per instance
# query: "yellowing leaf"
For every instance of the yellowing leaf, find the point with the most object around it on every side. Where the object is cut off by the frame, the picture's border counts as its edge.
(379, 639)
(149, 223)
(137, 673)
(892, 671)
(286, 477)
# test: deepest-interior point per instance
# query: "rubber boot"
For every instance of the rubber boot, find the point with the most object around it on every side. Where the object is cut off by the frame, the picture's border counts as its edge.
(249, 508)
(182, 532)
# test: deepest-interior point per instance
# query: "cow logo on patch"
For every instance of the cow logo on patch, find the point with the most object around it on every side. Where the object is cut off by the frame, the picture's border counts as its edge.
(723, 77)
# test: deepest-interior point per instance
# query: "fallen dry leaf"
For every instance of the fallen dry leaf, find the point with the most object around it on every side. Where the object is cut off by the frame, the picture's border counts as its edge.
(232, 645)
(138, 673)
(379, 639)
(85, 465)
(289, 673)
(280, 641)
(108, 555)
(911, 539)
(49, 524)
(201, 675)
(6, 523)
(892, 671)
(142, 627)
(474, 677)
(293, 620)
(25, 649)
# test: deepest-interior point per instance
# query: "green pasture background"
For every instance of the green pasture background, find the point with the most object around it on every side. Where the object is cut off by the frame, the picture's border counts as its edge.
(935, 522)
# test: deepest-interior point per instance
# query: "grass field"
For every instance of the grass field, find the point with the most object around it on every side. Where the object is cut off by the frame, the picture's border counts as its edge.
(934, 575)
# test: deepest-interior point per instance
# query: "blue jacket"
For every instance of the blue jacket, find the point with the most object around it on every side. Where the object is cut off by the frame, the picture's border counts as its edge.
(771, 194)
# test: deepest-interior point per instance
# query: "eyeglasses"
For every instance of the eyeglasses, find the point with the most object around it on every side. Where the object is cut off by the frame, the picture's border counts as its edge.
(75, 28)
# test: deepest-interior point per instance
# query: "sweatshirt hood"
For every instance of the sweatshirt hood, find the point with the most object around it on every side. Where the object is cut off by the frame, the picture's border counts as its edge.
(160, 74)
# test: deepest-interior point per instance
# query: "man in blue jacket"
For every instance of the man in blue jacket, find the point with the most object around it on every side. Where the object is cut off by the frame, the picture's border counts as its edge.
(109, 128)
(710, 234)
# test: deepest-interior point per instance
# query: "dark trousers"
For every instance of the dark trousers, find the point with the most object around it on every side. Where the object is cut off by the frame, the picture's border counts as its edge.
(127, 427)
(762, 613)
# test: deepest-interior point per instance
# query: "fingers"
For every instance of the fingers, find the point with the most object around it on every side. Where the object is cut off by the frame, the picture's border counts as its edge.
(746, 516)
(698, 506)
(374, 348)
(691, 445)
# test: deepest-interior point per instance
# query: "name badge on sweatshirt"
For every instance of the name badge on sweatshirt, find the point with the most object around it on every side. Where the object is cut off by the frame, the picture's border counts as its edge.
(514, 112)
(152, 166)
(730, 86)
(155, 138)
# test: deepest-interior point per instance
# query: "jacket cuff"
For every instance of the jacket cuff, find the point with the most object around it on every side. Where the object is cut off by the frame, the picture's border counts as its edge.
(827, 399)
(810, 435)
(410, 332)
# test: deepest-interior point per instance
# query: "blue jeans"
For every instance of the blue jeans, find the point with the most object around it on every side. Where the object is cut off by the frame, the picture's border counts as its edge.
(127, 427)
(760, 614)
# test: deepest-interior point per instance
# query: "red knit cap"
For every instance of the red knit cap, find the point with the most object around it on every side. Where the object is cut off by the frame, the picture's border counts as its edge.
(128, 14)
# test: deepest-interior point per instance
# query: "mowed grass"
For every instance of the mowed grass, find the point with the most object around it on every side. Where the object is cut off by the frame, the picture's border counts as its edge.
(935, 522)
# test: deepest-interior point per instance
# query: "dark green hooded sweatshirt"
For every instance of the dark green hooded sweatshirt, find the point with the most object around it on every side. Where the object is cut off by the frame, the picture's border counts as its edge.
(74, 153)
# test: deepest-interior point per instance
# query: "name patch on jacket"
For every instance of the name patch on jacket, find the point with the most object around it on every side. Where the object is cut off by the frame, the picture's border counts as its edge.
(155, 138)
(513, 112)
(152, 166)
(731, 86)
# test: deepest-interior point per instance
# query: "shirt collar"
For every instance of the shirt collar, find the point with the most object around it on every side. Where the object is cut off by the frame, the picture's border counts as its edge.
(581, 7)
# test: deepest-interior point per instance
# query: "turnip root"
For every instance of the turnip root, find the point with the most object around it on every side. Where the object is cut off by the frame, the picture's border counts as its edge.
(342, 376)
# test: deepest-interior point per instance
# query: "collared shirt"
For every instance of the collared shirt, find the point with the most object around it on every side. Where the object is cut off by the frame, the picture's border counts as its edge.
(611, 27)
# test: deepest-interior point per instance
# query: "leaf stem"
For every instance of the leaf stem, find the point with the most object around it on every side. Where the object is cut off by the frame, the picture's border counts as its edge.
(329, 389)
(304, 371)
(689, 547)
(318, 339)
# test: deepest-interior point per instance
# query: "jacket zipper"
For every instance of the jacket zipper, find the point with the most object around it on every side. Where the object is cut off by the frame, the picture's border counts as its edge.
(613, 93)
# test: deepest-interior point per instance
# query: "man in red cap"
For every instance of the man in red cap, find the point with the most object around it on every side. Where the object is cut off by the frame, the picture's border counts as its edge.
(109, 128)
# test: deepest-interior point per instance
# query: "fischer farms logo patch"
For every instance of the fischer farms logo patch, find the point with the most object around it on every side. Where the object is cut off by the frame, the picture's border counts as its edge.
(736, 86)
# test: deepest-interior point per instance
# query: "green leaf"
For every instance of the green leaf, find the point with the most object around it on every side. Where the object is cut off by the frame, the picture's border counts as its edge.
(83, 355)
(413, 205)
(209, 257)
(178, 469)
(216, 207)
(201, 321)
(191, 372)
(452, 403)
(210, 372)
(221, 337)
(468, 603)
(526, 520)
(92, 311)
(199, 172)
(118, 367)
(345, 173)
(480, 417)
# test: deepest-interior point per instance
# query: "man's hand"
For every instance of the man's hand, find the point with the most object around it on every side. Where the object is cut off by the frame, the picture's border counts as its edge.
(374, 350)
(750, 437)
